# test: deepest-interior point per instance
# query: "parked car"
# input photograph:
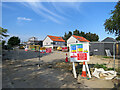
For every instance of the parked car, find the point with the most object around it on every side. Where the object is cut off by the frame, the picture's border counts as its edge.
(21, 47)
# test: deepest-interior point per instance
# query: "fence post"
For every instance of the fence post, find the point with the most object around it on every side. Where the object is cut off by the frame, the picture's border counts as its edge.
(114, 55)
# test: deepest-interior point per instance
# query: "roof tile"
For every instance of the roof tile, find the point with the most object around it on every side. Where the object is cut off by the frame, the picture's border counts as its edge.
(56, 38)
(80, 38)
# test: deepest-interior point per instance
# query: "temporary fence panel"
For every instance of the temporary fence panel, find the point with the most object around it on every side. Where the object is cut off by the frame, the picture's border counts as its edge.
(42, 51)
(48, 50)
(34, 47)
(64, 48)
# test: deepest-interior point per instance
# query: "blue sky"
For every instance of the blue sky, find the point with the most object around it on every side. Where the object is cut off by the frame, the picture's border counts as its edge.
(27, 19)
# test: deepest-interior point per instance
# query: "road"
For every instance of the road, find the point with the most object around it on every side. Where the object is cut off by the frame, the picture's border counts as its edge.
(23, 72)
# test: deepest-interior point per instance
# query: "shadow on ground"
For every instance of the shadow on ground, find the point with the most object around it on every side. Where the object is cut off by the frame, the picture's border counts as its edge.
(21, 55)
(45, 76)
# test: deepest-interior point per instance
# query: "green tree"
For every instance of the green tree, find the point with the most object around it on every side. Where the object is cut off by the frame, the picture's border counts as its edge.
(14, 41)
(89, 36)
(3, 42)
(3, 32)
(69, 35)
(92, 36)
(118, 38)
(82, 34)
(76, 32)
(65, 36)
(112, 25)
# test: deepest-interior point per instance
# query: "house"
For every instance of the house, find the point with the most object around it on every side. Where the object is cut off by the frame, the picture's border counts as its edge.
(109, 39)
(99, 48)
(76, 39)
(53, 42)
(32, 41)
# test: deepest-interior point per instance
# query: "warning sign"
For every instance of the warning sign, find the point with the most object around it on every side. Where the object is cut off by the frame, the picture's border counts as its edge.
(79, 52)
(81, 56)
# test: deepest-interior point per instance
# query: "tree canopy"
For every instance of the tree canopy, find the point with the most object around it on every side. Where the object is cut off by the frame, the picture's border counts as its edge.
(3, 32)
(3, 42)
(112, 25)
(89, 36)
(118, 38)
(14, 41)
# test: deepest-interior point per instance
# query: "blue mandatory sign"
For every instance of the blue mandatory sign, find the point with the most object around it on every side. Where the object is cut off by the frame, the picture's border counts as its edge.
(79, 46)
(73, 47)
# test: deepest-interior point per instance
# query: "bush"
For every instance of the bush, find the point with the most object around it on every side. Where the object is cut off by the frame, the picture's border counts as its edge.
(7, 47)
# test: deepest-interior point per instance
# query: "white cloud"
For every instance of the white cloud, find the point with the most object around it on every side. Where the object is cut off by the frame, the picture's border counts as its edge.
(42, 10)
(24, 19)
(55, 12)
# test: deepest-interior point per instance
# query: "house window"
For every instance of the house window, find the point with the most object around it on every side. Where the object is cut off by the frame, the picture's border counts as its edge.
(53, 43)
(76, 41)
(59, 42)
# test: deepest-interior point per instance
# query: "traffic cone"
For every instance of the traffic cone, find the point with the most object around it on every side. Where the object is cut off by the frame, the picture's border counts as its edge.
(66, 60)
(83, 70)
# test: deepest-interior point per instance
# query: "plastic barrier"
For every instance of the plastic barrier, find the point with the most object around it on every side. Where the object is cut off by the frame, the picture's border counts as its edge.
(48, 50)
(64, 48)
(42, 51)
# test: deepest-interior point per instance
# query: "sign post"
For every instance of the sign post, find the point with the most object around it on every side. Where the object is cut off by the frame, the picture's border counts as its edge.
(79, 52)
(74, 71)
(88, 69)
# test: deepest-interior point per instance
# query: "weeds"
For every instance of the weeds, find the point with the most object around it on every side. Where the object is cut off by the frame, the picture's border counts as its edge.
(105, 68)
(100, 66)
(106, 57)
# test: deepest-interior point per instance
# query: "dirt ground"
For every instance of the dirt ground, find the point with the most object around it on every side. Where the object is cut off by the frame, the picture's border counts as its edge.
(21, 70)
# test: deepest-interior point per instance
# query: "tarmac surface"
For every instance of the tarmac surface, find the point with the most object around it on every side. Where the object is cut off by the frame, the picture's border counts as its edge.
(21, 69)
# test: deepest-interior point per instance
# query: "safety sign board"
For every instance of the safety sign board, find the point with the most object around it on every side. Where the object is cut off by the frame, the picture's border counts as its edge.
(79, 52)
